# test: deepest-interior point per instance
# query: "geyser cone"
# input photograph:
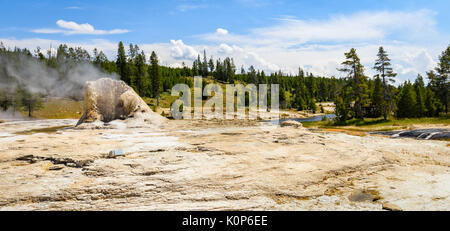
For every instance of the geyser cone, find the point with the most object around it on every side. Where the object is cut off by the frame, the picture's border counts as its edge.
(107, 100)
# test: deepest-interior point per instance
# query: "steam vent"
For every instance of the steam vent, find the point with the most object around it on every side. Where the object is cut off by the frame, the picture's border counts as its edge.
(107, 100)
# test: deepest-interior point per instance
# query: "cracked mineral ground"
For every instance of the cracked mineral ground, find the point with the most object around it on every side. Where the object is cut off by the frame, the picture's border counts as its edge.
(216, 165)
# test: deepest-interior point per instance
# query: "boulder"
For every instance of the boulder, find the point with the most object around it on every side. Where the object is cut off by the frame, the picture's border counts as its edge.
(291, 123)
(108, 100)
(391, 207)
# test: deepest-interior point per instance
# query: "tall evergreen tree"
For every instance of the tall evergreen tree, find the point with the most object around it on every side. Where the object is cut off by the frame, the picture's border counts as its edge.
(5, 101)
(121, 63)
(431, 103)
(199, 66)
(195, 70)
(419, 88)
(229, 70)
(252, 75)
(440, 81)
(355, 72)
(140, 80)
(28, 100)
(211, 65)
(384, 68)
(155, 76)
(377, 101)
(406, 106)
(343, 104)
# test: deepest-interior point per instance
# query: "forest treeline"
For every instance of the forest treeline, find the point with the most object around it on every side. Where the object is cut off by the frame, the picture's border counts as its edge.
(356, 96)
(362, 97)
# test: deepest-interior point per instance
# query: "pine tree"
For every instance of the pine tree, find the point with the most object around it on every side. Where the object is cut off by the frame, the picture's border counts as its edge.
(101, 61)
(355, 72)
(133, 52)
(155, 76)
(406, 106)
(311, 85)
(440, 81)
(431, 103)
(263, 79)
(211, 65)
(229, 70)
(199, 66)
(140, 81)
(300, 92)
(377, 101)
(5, 101)
(195, 68)
(219, 70)
(29, 101)
(419, 88)
(122, 66)
(343, 104)
(312, 105)
(186, 71)
(384, 68)
(252, 75)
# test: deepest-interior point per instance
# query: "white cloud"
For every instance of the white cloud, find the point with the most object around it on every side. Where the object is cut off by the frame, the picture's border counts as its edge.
(225, 49)
(318, 46)
(411, 38)
(363, 26)
(181, 51)
(221, 31)
(70, 28)
(408, 60)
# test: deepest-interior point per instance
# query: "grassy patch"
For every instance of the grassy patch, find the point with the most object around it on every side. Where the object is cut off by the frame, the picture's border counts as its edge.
(379, 124)
(165, 100)
(59, 108)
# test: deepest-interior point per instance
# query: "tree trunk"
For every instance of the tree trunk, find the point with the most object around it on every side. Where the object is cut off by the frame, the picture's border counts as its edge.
(157, 101)
(384, 96)
(358, 109)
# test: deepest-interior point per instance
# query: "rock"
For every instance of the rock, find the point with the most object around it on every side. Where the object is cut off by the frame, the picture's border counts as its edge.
(72, 165)
(291, 123)
(115, 153)
(427, 134)
(391, 207)
(56, 167)
(107, 100)
(361, 196)
(202, 149)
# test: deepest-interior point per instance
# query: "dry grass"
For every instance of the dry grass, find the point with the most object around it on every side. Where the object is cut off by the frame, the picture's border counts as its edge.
(59, 108)
(370, 125)
(349, 132)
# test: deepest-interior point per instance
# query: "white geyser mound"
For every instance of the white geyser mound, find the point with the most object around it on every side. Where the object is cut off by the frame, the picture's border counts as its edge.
(112, 102)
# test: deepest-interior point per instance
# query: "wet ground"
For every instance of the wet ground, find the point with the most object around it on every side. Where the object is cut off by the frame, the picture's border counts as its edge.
(427, 134)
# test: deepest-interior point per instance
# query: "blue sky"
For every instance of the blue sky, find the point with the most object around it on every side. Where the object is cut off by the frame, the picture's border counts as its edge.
(268, 34)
